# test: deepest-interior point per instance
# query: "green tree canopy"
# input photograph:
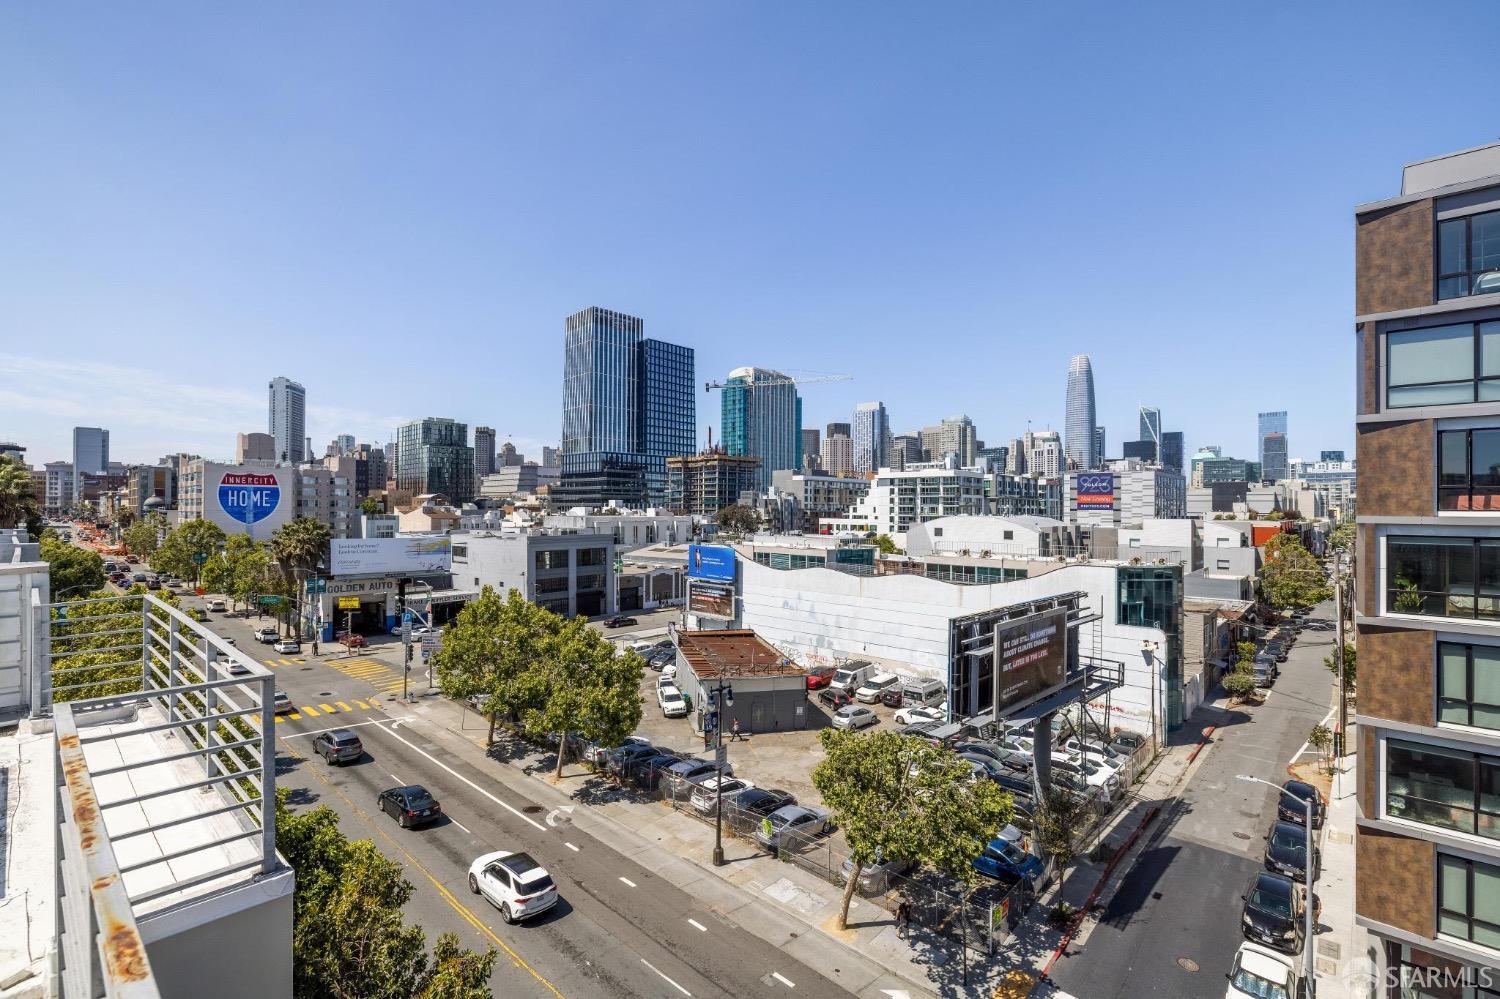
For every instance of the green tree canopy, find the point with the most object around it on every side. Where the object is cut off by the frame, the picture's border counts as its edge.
(584, 688)
(737, 519)
(194, 537)
(349, 938)
(1291, 576)
(71, 569)
(370, 506)
(298, 547)
(18, 505)
(1343, 536)
(899, 796)
(142, 537)
(489, 650)
(886, 545)
(1330, 663)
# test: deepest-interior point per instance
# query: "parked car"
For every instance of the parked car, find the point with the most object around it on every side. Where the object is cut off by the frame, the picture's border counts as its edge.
(988, 750)
(876, 878)
(670, 700)
(922, 690)
(1286, 851)
(514, 883)
(891, 696)
(923, 730)
(854, 716)
(914, 713)
(1092, 773)
(1020, 785)
(694, 770)
(869, 692)
(1127, 743)
(621, 621)
(237, 668)
(1273, 913)
(762, 800)
(267, 636)
(409, 806)
(1002, 857)
(819, 677)
(988, 766)
(283, 704)
(1263, 673)
(351, 640)
(214, 604)
(627, 754)
(110, 567)
(662, 658)
(1261, 973)
(1291, 807)
(287, 646)
(791, 823)
(851, 676)
(646, 772)
(339, 745)
(706, 797)
(152, 583)
(834, 698)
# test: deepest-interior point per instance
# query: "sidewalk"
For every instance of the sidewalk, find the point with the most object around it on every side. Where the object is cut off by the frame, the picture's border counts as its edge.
(1339, 940)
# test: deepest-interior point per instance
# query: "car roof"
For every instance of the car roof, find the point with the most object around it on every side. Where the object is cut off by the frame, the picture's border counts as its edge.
(1264, 962)
(342, 733)
(1282, 825)
(1301, 788)
(1265, 881)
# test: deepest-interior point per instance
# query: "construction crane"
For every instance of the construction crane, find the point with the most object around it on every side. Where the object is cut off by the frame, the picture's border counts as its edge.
(783, 380)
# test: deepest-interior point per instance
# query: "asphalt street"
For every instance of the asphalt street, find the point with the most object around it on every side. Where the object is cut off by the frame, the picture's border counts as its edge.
(618, 930)
(1172, 927)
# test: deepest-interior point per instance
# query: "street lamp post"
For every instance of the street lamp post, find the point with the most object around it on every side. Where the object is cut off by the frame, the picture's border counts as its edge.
(721, 695)
(1307, 942)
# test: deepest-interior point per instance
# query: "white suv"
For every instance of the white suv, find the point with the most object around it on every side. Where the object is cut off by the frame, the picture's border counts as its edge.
(514, 883)
(670, 699)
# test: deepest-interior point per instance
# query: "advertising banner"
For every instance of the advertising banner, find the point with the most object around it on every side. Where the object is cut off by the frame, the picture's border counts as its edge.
(1031, 656)
(247, 497)
(419, 555)
(1096, 490)
(711, 598)
(711, 562)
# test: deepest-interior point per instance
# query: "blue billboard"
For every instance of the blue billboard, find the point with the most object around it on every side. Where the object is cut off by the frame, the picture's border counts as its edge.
(711, 562)
(1096, 491)
(248, 497)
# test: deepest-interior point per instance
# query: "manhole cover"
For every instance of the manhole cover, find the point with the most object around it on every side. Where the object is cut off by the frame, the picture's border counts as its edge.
(1187, 964)
(1241, 835)
(531, 809)
(325, 693)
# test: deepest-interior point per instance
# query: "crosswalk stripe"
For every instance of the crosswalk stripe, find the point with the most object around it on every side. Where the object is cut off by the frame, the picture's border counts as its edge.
(362, 704)
(294, 716)
(309, 711)
(343, 706)
(327, 708)
(278, 719)
(287, 662)
(269, 662)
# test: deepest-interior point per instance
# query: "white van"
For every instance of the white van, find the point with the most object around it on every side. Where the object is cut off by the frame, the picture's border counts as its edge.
(851, 676)
(869, 692)
(927, 691)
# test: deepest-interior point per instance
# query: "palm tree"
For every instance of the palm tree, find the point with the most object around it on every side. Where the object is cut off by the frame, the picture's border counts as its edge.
(298, 547)
(16, 498)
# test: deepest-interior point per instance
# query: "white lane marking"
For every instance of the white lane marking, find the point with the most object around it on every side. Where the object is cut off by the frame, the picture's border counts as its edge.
(398, 780)
(697, 925)
(539, 827)
(782, 979)
(315, 731)
(570, 846)
(1307, 745)
(459, 824)
(631, 884)
(664, 978)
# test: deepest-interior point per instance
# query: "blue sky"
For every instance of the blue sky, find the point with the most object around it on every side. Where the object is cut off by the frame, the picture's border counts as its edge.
(398, 204)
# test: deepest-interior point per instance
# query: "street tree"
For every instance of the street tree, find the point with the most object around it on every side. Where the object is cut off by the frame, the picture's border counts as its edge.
(899, 796)
(1343, 537)
(1239, 684)
(85, 643)
(350, 939)
(141, 537)
(177, 553)
(70, 569)
(1291, 575)
(1058, 816)
(1321, 739)
(582, 687)
(18, 503)
(490, 649)
(1330, 663)
(737, 519)
(298, 547)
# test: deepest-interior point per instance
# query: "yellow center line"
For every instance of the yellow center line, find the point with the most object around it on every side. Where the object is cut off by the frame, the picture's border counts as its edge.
(448, 896)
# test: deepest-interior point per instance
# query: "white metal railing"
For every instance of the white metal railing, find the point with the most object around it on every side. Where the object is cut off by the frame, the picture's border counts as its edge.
(200, 701)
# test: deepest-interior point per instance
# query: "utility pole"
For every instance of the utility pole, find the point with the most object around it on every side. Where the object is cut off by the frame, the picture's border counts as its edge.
(405, 633)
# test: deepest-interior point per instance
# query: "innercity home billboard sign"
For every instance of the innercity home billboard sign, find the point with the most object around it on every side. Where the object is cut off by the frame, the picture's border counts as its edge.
(248, 497)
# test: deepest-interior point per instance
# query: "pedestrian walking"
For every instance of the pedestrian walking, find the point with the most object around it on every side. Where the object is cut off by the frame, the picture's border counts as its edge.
(735, 730)
(903, 919)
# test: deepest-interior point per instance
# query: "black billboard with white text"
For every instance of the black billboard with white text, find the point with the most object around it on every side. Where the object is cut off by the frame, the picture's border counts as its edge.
(713, 599)
(1031, 656)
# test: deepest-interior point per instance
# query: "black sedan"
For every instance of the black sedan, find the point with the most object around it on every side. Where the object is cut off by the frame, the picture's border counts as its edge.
(1286, 851)
(762, 801)
(1272, 914)
(1291, 807)
(834, 699)
(620, 621)
(620, 760)
(646, 771)
(409, 806)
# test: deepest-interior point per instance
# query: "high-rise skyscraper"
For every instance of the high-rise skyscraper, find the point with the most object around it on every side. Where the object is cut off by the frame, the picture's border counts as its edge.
(838, 452)
(484, 451)
(811, 448)
(1079, 441)
(1171, 454)
(90, 455)
(1099, 451)
(1330, 456)
(1272, 457)
(955, 435)
(872, 437)
(761, 416)
(436, 458)
(1150, 423)
(288, 420)
(628, 405)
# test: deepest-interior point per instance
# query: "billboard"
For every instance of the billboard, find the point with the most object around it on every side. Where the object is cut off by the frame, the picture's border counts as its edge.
(247, 497)
(713, 599)
(1096, 490)
(711, 562)
(414, 556)
(1031, 655)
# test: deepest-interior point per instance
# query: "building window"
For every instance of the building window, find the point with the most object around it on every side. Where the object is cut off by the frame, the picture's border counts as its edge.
(1469, 470)
(460, 551)
(1469, 900)
(1446, 788)
(555, 558)
(1443, 577)
(1469, 685)
(1443, 365)
(591, 556)
(1222, 563)
(1469, 256)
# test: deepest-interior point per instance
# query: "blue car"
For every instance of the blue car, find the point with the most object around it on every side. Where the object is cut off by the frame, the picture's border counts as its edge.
(1003, 858)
